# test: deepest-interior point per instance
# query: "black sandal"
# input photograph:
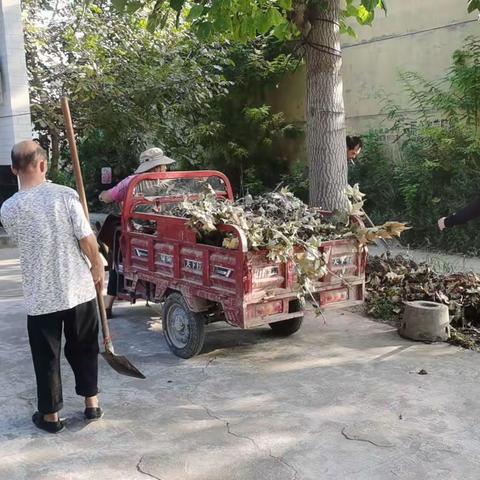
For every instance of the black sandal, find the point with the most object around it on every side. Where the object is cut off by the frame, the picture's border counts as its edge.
(50, 427)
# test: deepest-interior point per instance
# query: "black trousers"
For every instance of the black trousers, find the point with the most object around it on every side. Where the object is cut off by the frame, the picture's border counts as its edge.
(80, 325)
(112, 288)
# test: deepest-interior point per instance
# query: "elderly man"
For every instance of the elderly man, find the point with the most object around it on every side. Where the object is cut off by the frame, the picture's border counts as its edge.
(55, 240)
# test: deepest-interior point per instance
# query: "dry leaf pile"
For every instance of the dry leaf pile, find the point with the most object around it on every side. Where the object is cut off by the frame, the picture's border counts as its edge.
(394, 280)
(280, 223)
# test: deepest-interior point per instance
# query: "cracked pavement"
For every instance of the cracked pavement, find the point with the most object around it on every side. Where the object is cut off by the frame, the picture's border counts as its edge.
(335, 401)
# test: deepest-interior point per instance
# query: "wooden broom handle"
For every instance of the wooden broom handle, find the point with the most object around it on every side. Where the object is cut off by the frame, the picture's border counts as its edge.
(74, 152)
(83, 200)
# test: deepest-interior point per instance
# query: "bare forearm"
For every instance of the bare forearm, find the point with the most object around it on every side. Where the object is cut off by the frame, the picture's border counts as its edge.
(89, 247)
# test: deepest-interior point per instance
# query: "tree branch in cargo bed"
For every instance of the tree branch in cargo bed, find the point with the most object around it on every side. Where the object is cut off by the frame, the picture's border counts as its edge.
(283, 226)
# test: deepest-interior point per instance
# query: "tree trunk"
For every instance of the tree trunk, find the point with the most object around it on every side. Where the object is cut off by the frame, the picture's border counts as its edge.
(326, 146)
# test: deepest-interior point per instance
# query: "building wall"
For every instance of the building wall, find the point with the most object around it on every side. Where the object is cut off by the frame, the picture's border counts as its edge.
(15, 122)
(418, 36)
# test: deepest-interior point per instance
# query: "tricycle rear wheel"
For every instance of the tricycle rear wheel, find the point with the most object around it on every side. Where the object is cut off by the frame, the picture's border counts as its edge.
(184, 330)
(286, 328)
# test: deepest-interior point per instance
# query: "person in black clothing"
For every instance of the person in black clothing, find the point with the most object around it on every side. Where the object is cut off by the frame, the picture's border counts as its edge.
(462, 216)
(354, 147)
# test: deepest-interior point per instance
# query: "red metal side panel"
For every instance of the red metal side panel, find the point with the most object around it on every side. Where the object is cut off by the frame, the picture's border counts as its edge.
(266, 275)
(164, 259)
(174, 228)
(343, 260)
(139, 253)
(224, 274)
(344, 283)
(271, 290)
(191, 264)
(342, 296)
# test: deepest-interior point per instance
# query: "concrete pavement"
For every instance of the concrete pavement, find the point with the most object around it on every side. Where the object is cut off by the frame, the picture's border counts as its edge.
(338, 400)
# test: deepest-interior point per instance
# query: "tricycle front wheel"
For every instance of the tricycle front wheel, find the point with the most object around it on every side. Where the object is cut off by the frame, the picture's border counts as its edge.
(184, 330)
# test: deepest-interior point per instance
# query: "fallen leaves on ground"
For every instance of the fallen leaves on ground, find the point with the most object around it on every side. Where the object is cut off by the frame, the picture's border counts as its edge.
(391, 281)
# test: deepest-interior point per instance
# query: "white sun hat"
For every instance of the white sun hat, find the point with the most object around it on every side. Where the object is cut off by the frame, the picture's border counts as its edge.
(151, 158)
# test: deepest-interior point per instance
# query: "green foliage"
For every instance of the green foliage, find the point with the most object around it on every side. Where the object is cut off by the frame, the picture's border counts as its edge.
(364, 13)
(244, 148)
(297, 180)
(383, 309)
(244, 138)
(203, 103)
(473, 5)
(457, 95)
(63, 177)
(286, 20)
(437, 172)
(128, 88)
(462, 340)
(243, 20)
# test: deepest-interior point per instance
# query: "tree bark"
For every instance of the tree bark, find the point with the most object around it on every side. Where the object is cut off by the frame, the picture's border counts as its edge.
(326, 146)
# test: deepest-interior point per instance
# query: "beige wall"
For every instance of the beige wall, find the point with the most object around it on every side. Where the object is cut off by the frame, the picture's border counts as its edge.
(417, 35)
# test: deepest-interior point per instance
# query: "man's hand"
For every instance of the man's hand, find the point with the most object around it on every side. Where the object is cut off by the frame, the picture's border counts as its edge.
(441, 223)
(98, 274)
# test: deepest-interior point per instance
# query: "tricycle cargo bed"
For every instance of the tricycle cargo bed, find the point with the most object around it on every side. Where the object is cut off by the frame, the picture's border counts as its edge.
(251, 290)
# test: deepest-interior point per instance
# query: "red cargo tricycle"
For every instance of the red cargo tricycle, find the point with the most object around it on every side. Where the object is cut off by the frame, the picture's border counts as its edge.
(160, 258)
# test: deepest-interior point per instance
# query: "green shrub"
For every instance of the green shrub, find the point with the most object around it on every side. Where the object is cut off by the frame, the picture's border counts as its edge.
(244, 138)
(438, 168)
(383, 309)
(297, 180)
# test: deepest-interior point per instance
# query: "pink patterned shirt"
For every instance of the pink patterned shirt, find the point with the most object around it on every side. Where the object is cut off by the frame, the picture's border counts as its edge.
(119, 191)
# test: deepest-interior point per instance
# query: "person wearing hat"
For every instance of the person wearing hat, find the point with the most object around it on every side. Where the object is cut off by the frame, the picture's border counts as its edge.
(151, 160)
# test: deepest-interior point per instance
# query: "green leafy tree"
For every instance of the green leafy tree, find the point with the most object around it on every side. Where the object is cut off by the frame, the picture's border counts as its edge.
(48, 71)
(316, 26)
(244, 138)
(129, 88)
(204, 103)
(473, 5)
